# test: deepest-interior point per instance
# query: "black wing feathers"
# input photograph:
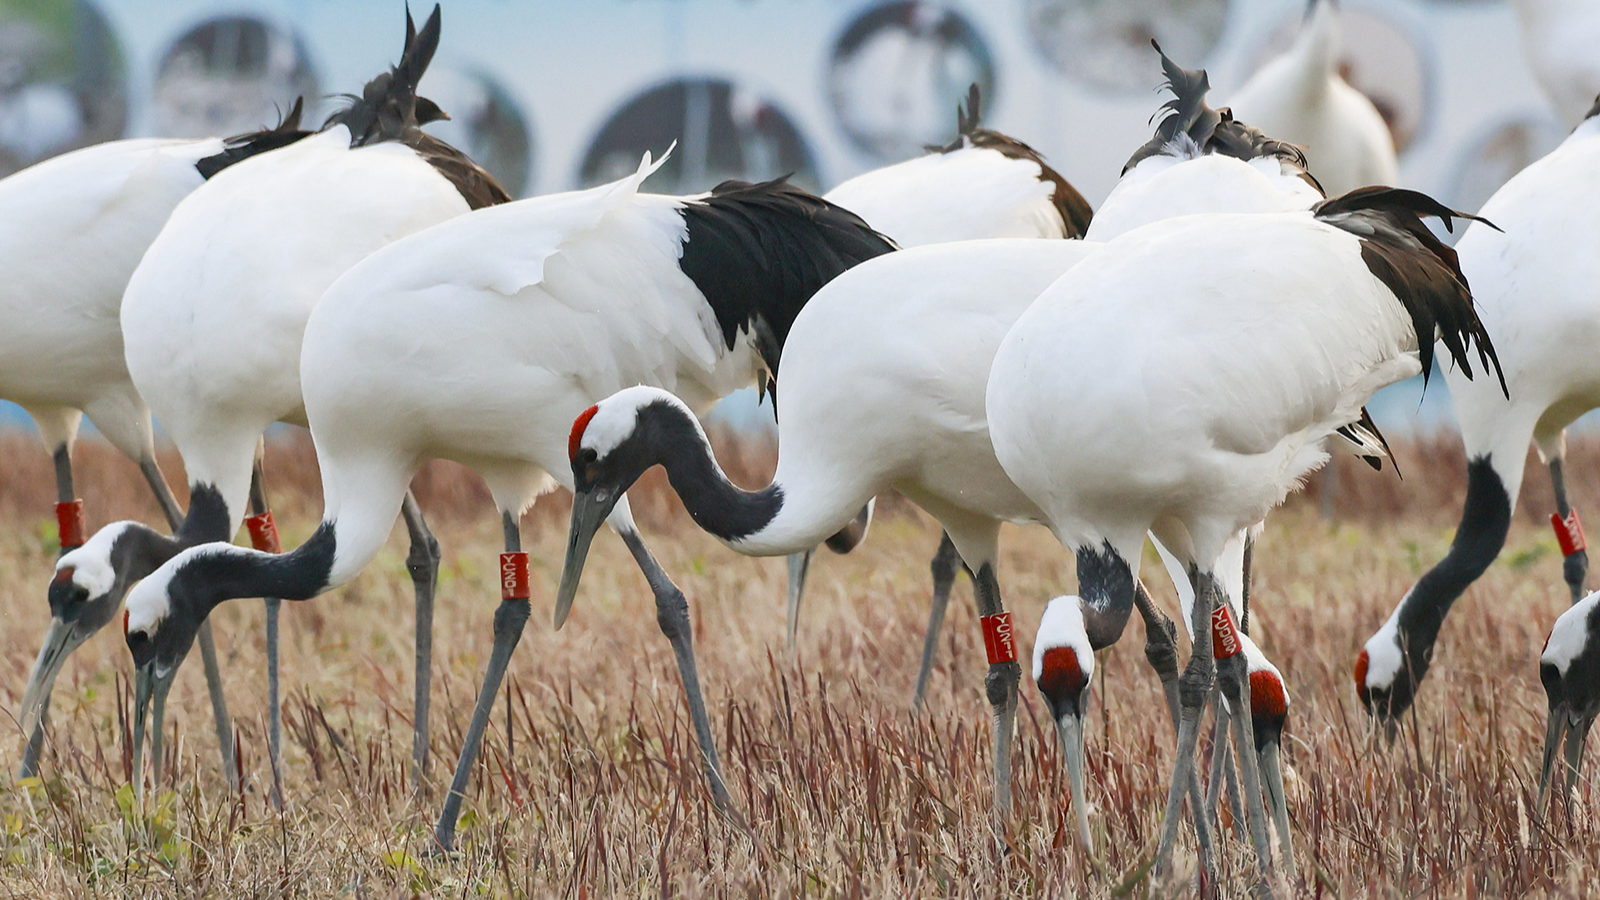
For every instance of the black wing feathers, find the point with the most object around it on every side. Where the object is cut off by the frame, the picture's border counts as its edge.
(1420, 269)
(758, 252)
(476, 185)
(1075, 211)
(241, 147)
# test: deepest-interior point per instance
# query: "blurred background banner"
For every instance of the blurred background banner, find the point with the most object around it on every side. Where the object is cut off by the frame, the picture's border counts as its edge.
(557, 94)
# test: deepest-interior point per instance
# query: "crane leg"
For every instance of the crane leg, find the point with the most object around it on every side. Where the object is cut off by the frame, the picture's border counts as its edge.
(1235, 681)
(944, 565)
(260, 507)
(1574, 566)
(1194, 687)
(1000, 685)
(1222, 770)
(672, 615)
(509, 620)
(423, 565)
(62, 458)
(1161, 652)
(799, 565)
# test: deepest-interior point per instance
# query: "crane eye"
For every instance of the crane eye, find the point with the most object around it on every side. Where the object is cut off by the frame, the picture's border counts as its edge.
(588, 455)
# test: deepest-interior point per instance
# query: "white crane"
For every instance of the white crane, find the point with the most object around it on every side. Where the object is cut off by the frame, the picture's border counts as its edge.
(983, 184)
(214, 317)
(1558, 40)
(1300, 97)
(72, 230)
(1533, 284)
(479, 340)
(1569, 667)
(1182, 380)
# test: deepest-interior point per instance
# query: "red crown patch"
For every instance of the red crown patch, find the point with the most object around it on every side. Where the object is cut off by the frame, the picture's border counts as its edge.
(578, 426)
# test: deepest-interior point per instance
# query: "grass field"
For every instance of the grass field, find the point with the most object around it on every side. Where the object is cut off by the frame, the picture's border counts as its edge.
(588, 784)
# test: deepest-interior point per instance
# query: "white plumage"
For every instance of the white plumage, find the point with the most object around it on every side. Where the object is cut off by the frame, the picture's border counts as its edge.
(1299, 97)
(1558, 41)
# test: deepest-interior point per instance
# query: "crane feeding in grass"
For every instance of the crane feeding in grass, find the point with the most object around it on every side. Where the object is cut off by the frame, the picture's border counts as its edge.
(1300, 97)
(1533, 283)
(479, 340)
(1569, 667)
(1182, 381)
(72, 230)
(983, 184)
(214, 317)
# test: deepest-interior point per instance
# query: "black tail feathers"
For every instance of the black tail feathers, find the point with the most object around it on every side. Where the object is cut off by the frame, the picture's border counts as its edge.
(241, 147)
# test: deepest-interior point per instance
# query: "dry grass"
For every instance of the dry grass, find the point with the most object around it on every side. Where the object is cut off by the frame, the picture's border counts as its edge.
(588, 785)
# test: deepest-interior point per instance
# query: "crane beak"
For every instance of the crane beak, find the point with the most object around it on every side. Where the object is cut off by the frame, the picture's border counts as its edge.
(589, 510)
(59, 642)
(1272, 782)
(1070, 729)
(1554, 732)
(150, 689)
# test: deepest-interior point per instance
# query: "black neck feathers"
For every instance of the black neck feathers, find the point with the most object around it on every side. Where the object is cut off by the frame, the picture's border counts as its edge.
(1105, 582)
(1484, 521)
(212, 576)
(1421, 270)
(758, 252)
(241, 147)
(715, 503)
(1076, 213)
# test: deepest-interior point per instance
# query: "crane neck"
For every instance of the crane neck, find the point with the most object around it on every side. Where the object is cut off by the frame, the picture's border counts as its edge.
(1485, 519)
(1106, 584)
(1315, 52)
(716, 504)
(210, 574)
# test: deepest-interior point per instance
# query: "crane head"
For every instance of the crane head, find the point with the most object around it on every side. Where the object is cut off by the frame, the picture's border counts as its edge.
(1063, 668)
(1387, 673)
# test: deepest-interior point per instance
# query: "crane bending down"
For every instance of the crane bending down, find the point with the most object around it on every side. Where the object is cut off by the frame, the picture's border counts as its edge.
(1569, 667)
(1138, 394)
(215, 315)
(983, 184)
(1533, 284)
(72, 231)
(478, 340)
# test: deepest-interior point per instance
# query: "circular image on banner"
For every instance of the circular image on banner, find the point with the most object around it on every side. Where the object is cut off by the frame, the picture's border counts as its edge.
(898, 73)
(1105, 44)
(1378, 58)
(62, 80)
(230, 75)
(723, 131)
(485, 123)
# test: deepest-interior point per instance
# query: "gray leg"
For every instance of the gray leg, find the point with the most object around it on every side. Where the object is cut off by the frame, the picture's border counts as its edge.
(945, 562)
(799, 565)
(1575, 566)
(258, 506)
(509, 620)
(163, 494)
(1194, 687)
(1234, 679)
(1001, 687)
(423, 564)
(672, 614)
(1161, 652)
(62, 458)
(1222, 770)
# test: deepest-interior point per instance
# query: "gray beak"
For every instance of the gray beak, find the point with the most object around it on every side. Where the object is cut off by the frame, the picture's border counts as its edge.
(1555, 731)
(150, 688)
(1277, 802)
(1070, 728)
(59, 642)
(589, 511)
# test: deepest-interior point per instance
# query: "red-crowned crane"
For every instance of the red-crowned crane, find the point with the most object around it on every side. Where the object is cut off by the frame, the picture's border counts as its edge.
(479, 340)
(1300, 97)
(1533, 284)
(214, 317)
(1182, 381)
(72, 230)
(1569, 667)
(983, 184)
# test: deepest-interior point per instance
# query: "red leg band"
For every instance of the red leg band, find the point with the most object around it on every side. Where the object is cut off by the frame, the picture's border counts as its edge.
(1569, 533)
(263, 533)
(998, 638)
(514, 576)
(1224, 633)
(69, 524)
